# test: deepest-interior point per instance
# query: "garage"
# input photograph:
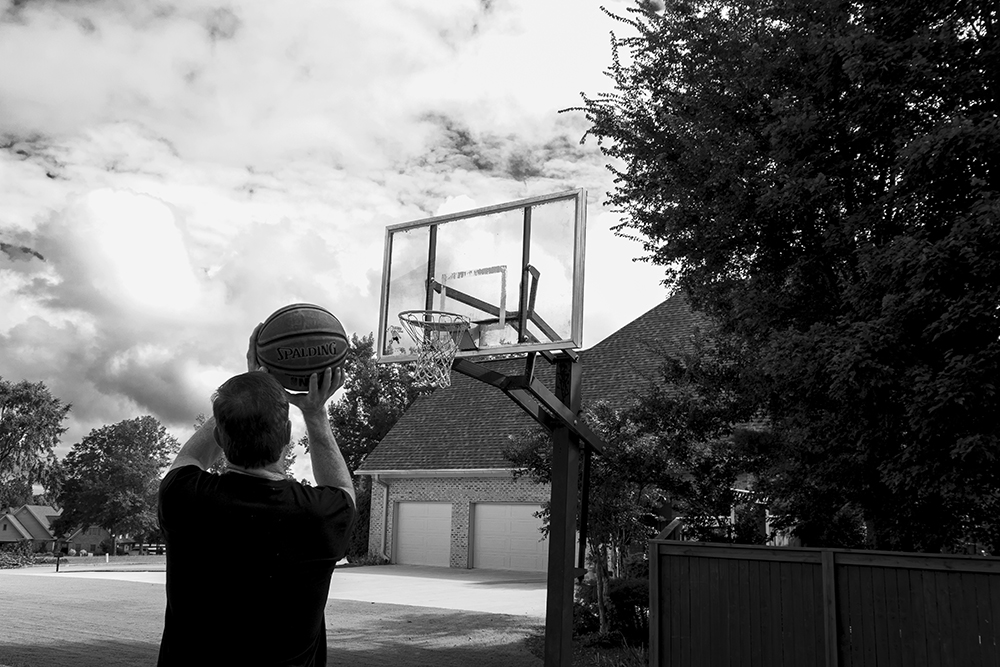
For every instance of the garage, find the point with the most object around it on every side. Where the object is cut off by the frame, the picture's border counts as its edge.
(505, 537)
(422, 533)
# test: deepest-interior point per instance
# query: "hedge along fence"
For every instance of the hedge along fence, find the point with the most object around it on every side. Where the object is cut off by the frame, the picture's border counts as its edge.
(747, 606)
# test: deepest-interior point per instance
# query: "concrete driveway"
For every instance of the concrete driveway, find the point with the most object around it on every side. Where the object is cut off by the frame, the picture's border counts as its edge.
(485, 591)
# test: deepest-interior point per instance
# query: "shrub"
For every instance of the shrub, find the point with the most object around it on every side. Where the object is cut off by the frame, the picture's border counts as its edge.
(357, 545)
(628, 600)
(368, 559)
(630, 605)
(16, 554)
(71, 552)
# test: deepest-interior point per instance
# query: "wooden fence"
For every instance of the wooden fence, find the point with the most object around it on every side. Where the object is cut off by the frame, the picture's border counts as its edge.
(744, 606)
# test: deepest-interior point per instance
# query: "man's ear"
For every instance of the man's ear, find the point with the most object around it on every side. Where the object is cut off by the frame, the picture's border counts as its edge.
(220, 437)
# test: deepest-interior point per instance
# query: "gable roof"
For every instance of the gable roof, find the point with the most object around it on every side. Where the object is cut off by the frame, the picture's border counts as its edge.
(467, 425)
(36, 519)
(618, 368)
(18, 528)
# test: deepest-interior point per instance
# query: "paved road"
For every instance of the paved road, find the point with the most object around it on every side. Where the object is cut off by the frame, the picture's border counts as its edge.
(114, 619)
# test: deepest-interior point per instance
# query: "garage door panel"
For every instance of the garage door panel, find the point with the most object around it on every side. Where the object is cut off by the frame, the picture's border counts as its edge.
(506, 537)
(423, 534)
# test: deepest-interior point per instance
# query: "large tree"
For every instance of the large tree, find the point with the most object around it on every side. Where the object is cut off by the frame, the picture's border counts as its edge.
(30, 425)
(822, 178)
(111, 478)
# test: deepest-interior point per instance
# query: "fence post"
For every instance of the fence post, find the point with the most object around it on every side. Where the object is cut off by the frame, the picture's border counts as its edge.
(829, 573)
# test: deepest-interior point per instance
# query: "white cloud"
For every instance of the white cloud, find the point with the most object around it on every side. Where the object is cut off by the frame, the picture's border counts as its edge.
(185, 169)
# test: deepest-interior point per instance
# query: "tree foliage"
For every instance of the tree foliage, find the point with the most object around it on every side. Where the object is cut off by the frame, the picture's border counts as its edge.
(112, 476)
(30, 425)
(375, 397)
(821, 177)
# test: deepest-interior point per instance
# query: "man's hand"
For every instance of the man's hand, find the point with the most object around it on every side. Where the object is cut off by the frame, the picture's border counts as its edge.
(321, 389)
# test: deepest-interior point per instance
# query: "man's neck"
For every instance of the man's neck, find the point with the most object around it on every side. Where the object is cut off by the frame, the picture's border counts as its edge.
(270, 471)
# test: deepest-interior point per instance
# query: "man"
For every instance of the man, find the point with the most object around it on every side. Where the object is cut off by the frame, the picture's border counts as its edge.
(250, 553)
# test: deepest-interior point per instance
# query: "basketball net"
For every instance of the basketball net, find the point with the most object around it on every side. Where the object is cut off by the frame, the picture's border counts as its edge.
(437, 335)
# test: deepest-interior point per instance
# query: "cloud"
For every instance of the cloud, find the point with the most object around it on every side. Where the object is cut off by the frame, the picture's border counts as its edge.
(175, 171)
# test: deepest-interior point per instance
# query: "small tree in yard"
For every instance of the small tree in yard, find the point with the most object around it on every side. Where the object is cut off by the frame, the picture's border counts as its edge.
(624, 494)
(677, 445)
(375, 397)
(111, 478)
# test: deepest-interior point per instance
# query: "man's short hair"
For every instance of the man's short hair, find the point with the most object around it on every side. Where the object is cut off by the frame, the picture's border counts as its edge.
(252, 410)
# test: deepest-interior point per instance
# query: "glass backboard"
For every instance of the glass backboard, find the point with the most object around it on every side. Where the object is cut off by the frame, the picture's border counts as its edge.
(515, 270)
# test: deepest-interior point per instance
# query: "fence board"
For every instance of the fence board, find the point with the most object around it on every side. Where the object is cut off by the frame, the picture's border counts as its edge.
(678, 611)
(738, 616)
(965, 622)
(994, 603)
(798, 641)
(657, 594)
(852, 623)
(893, 647)
(703, 628)
(714, 631)
(866, 616)
(945, 620)
(932, 625)
(920, 629)
(753, 622)
(907, 620)
(771, 641)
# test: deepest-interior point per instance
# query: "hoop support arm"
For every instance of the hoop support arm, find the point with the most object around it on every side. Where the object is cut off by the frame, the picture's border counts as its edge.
(546, 409)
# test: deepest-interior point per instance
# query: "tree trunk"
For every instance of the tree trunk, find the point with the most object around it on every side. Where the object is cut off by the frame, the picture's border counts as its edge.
(603, 603)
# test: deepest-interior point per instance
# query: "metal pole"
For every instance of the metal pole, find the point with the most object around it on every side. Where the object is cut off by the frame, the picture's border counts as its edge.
(562, 523)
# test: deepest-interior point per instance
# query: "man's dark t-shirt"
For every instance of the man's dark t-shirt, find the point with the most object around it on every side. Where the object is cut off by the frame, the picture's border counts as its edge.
(249, 562)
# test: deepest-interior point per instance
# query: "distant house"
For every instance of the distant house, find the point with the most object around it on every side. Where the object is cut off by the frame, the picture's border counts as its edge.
(87, 539)
(442, 492)
(32, 523)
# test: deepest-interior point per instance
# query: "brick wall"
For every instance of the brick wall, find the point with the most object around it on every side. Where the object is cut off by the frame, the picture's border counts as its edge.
(461, 492)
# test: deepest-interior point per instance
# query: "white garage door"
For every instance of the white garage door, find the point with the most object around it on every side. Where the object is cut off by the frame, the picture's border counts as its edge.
(506, 537)
(422, 533)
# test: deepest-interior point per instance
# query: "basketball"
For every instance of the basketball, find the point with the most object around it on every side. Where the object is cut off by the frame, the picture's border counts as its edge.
(299, 340)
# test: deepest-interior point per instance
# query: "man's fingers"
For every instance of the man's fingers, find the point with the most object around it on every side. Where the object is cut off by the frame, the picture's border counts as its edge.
(327, 383)
(253, 364)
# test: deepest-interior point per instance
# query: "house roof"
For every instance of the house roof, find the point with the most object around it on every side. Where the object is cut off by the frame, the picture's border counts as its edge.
(467, 425)
(36, 519)
(18, 528)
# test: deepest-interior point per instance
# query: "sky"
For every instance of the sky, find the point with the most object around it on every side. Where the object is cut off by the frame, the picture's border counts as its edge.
(172, 172)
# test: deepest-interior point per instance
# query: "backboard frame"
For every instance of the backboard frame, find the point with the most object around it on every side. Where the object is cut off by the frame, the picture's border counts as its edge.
(526, 274)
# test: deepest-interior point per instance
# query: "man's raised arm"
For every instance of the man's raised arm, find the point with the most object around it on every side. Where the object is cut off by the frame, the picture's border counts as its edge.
(329, 467)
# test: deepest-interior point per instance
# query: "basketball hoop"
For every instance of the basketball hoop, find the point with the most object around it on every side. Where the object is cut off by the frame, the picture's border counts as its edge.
(437, 335)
